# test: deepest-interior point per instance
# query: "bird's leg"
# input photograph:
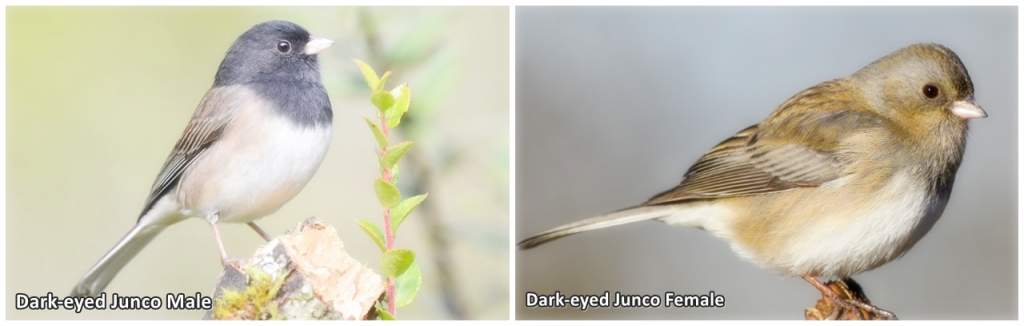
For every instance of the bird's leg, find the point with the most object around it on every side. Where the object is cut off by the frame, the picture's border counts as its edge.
(220, 244)
(855, 301)
(259, 231)
(825, 291)
(838, 305)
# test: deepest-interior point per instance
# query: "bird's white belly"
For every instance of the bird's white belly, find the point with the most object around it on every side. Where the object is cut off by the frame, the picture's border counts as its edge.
(270, 161)
(880, 230)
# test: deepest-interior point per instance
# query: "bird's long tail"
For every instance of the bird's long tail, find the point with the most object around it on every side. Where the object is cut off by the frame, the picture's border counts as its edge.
(626, 216)
(107, 267)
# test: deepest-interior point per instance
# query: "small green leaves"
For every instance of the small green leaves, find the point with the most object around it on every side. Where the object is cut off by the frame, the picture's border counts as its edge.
(402, 95)
(387, 193)
(395, 153)
(382, 141)
(408, 285)
(383, 101)
(397, 261)
(393, 104)
(399, 265)
(374, 232)
(394, 114)
(369, 75)
(402, 210)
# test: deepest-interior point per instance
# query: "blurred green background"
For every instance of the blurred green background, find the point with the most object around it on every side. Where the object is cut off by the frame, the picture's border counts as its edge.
(96, 97)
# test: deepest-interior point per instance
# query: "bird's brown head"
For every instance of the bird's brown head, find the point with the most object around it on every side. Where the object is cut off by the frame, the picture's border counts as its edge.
(921, 86)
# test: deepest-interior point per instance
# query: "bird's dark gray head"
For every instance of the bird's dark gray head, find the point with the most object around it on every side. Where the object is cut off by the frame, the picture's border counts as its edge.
(272, 51)
(278, 61)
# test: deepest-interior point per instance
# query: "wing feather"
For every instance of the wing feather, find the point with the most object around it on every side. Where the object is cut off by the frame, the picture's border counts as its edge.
(203, 130)
(790, 149)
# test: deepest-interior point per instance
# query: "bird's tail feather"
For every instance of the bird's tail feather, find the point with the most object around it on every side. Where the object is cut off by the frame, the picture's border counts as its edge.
(107, 267)
(626, 216)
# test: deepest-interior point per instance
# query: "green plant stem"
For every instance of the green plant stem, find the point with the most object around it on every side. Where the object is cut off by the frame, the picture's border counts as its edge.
(436, 230)
(389, 235)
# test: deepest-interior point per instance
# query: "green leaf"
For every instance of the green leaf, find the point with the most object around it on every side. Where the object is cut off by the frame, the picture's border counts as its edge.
(377, 133)
(402, 96)
(403, 209)
(374, 232)
(383, 314)
(383, 81)
(393, 117)
(397, 261)
(370, 76)
(387, 193)
(408, 285)
(395, 153)
(394, 114)
(382, 100)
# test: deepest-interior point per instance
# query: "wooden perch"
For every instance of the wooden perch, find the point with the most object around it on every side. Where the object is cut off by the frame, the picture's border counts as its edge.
(848, 289)
(304, 274)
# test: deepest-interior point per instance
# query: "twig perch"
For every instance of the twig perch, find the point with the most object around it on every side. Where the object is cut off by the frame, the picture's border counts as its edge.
(848, 289)
(304, 274)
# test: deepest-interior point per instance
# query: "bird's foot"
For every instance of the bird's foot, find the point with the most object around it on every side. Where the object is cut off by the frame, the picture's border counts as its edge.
(843, 299)
(873, 312)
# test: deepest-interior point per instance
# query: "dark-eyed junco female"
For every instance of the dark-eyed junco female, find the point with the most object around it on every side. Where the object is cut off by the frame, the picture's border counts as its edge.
(841, 178)
(258, 135)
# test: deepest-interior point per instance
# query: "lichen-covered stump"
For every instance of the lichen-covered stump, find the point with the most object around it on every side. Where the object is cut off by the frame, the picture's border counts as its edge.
(304, 274)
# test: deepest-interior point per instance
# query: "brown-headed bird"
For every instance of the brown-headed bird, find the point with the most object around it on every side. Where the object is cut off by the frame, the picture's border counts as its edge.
(841, 178)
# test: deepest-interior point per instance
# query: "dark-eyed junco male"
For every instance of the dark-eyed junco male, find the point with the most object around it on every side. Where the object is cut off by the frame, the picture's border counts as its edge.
(841, 178)
(257, 137)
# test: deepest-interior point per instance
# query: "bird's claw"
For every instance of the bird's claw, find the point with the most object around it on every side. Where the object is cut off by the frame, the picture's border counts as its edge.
(844, 299)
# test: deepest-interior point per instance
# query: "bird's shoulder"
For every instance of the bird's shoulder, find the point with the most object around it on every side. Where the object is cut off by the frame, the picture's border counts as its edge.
(821, 117)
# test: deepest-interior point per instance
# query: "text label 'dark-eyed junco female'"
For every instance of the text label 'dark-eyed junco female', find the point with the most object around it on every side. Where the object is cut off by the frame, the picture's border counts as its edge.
(841, 178)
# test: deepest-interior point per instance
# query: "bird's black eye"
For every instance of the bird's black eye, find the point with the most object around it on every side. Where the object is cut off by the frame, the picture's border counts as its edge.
(284, 46)
(930, 91)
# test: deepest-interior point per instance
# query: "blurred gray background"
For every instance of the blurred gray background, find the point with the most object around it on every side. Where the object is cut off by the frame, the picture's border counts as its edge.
(96, 97)
(613, 104)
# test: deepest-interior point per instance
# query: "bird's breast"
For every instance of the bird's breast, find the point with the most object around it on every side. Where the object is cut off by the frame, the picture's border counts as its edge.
(262, 160)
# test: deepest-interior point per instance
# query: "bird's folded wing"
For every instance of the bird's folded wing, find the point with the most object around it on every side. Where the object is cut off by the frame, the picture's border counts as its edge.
(786, 151)
(203, 130)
